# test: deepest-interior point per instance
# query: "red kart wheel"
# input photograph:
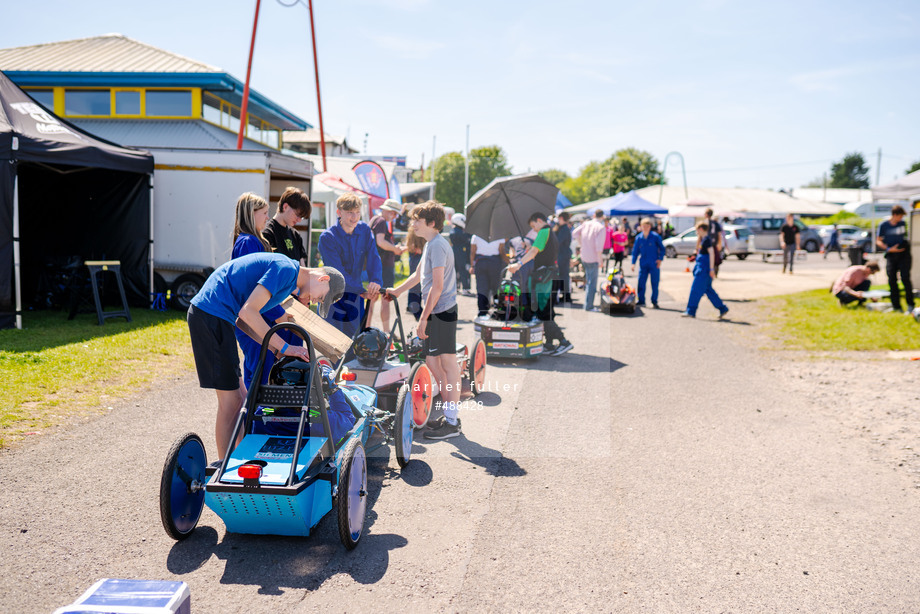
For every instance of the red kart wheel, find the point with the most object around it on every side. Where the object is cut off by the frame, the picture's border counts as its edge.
(420, 384)
(477, 368)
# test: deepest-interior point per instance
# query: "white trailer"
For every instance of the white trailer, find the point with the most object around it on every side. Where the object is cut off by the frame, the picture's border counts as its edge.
(194, 200)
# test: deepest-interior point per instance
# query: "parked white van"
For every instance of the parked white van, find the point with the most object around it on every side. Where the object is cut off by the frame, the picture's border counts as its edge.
(870, 209)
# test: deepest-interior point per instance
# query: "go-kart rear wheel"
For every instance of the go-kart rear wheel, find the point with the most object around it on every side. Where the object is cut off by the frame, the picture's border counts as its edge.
(182, 486)
(403, 426)
(351, 499)
(477, 368)
(421, 387)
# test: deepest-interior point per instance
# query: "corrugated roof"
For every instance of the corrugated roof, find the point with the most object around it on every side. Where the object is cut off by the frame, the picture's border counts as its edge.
(164, 133)
(106, 53)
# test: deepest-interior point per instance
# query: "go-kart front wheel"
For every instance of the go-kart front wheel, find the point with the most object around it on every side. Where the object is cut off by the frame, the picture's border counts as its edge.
(421, 388)
(182, 486)
(477, 368)
(351, 498)
(403, 426)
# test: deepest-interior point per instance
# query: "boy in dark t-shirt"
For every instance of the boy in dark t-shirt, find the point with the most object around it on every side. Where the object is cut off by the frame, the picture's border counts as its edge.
(892, 237)
(293, 206)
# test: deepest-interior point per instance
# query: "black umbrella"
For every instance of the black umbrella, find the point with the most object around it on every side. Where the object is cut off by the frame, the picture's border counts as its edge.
(501, 209)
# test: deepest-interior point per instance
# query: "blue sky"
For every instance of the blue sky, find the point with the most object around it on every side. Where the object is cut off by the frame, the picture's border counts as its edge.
(751, 94)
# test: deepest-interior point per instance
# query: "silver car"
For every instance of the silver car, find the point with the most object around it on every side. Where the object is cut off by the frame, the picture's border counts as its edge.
(739, 241)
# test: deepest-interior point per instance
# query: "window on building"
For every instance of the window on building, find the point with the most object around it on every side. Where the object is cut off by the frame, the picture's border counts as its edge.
(127, 103)
(44, 97)
(87, 102)
(161, 103)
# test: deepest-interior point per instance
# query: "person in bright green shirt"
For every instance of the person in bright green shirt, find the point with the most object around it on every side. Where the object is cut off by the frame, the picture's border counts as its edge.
(543, 252)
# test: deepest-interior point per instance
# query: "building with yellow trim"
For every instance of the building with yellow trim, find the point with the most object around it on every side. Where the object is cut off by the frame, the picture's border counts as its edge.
(135, 94)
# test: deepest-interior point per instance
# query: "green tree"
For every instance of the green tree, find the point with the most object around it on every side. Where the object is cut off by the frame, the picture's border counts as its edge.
(913, 168)
(625, 170)
(851, 172)
(554, 176)
(486, 163)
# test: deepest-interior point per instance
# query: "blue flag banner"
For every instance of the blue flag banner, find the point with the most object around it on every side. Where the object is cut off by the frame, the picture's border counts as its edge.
(562, 202)
(372, 178)
(395, 192)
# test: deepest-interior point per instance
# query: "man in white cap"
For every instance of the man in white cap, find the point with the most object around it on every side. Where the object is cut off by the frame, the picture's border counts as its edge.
(460, 242)
(382, 227)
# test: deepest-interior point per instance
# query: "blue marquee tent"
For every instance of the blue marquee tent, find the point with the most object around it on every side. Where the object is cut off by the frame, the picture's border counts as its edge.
(626, 203)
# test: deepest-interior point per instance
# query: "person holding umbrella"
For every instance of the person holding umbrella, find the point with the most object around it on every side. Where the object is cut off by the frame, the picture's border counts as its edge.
(543, 252)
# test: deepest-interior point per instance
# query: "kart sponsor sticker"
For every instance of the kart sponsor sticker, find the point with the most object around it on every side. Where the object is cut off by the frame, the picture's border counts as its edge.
(506, 336)
(503, 345)
(277, 448)
(537, 336)
(536, 350)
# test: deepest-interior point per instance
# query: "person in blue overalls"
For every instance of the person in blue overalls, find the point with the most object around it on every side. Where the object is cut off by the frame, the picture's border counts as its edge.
(703, 274)
(649, 250)
(350, 248)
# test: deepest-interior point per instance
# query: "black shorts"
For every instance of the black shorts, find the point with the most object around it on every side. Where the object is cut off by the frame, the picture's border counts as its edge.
(442, 333)
(217, 359)
(389, 276)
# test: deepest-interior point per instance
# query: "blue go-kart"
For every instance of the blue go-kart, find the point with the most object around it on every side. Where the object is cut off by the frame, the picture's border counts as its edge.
(286, 473)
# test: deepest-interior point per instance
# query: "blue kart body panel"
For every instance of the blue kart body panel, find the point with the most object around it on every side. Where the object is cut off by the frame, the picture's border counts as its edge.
(271, 507)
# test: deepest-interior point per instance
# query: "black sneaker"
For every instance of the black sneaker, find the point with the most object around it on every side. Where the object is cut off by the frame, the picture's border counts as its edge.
(564, 346)
(442, 429)
(655, 306)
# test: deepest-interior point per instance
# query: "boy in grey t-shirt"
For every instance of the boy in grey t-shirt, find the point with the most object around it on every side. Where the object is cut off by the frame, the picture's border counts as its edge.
(438, 323)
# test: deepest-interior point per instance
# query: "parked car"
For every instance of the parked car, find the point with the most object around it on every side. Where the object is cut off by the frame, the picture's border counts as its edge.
(738, 239)
(847, 234)
(766, 233)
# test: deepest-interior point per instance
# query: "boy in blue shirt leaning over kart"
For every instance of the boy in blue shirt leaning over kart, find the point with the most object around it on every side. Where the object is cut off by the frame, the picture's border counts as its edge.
(237, 293)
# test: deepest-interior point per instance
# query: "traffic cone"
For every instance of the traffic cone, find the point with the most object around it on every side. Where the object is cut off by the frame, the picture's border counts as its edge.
(687, 268)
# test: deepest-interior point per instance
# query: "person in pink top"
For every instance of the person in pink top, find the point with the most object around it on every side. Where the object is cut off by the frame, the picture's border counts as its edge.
(591, 236)
(850, 286)
(620, 238)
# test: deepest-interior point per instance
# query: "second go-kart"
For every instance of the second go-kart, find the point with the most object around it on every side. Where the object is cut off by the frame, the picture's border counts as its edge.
(389, 363)
(287, 472)
(509, 330)
(616, 294)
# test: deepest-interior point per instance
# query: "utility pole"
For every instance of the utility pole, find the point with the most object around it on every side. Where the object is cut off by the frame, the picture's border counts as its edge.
(878, 167)
(466, 172)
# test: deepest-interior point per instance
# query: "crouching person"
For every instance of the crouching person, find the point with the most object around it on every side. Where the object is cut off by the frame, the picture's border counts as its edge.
(237, 293)
(854, 282)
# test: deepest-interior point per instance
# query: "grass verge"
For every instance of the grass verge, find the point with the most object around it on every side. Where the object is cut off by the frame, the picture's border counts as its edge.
(814, 320)
(54, 369)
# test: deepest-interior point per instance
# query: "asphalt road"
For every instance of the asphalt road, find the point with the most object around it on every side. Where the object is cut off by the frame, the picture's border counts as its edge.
(659, 467)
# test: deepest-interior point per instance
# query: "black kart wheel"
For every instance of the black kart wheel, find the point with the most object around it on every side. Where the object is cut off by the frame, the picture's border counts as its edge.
(182, 486)
(351, 499)
(403, 427)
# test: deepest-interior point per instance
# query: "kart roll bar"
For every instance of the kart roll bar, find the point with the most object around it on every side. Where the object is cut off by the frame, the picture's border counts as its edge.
(314, 386)
(367, 310)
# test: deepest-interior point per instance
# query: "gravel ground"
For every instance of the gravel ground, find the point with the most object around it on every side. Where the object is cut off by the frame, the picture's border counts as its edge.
(664, 465)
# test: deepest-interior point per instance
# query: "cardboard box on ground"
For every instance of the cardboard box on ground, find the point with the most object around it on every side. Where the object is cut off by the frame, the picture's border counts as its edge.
(327, 339)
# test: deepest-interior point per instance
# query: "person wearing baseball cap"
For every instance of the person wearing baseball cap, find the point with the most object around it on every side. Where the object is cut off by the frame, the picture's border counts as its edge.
(237, 293)
(389, 250)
